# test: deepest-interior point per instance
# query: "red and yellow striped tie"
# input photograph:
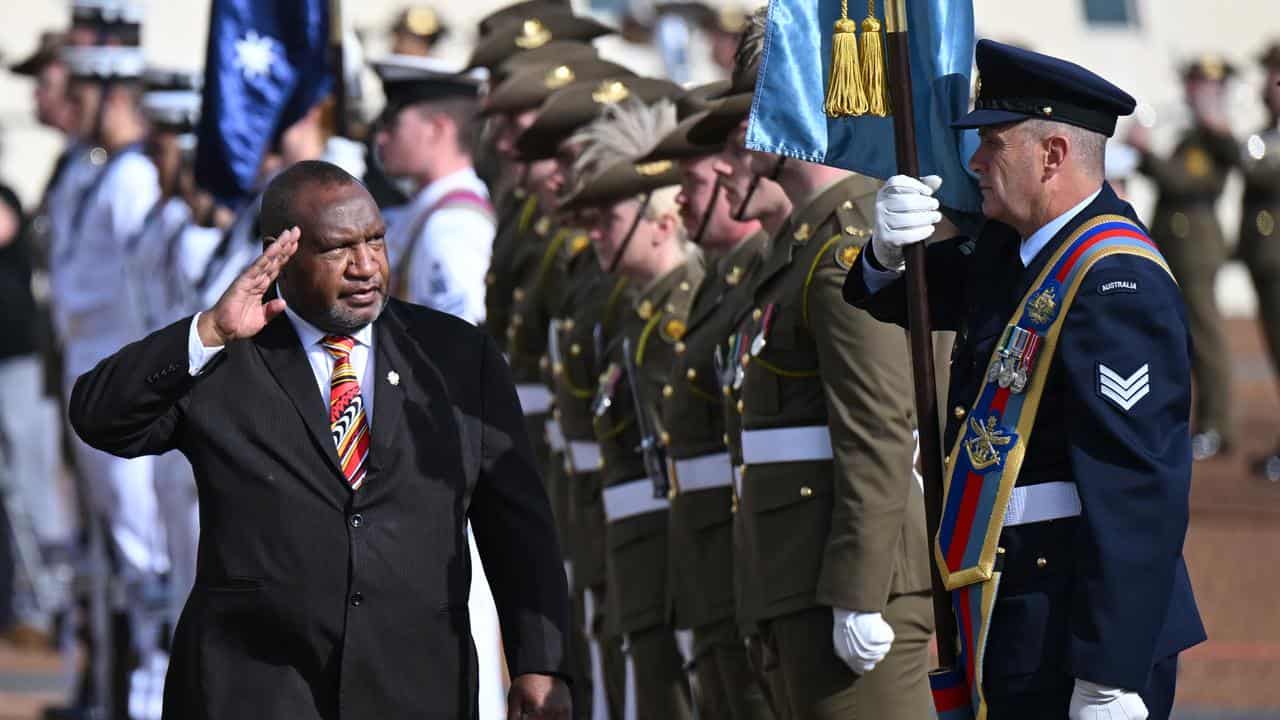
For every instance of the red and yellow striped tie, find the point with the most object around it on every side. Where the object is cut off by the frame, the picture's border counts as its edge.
(347, 422)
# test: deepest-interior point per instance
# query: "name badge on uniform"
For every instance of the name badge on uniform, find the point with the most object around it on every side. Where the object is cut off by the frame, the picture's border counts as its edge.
(1017, 356)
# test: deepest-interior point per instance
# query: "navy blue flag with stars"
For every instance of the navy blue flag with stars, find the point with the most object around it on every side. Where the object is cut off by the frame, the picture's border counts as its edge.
(787, 115)
(266, 66)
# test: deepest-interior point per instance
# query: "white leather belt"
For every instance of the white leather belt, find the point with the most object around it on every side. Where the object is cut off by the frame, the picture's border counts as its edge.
(584, 456)
(535, 398)
(1038, 503)
(555, 436)
(633, 497)
(705, 472)
(737, 480)
(790, 444)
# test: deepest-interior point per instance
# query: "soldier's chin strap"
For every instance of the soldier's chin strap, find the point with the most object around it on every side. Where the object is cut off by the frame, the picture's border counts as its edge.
(706, 214)
(755, 183)
(626, 241)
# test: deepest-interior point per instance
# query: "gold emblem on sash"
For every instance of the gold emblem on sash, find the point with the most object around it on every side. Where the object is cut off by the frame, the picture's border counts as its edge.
(1043, 306)
(981, 448)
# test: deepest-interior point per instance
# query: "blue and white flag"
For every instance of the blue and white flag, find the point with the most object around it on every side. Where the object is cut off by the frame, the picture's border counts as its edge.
(787, 115)
(266, 66)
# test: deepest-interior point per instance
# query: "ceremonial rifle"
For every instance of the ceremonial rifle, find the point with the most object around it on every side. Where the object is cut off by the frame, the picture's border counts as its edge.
(654, 464)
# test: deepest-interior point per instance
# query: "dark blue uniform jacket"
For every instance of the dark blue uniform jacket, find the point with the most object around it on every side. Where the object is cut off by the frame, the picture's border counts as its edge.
(1103, 597)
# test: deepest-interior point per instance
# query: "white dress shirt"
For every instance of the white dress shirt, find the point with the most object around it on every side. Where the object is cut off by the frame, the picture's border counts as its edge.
(199, 355)
(453, 248)
(876, 279)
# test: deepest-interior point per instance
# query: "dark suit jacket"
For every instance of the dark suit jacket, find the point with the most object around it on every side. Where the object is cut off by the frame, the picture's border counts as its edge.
(1103, 596)
(315, 602)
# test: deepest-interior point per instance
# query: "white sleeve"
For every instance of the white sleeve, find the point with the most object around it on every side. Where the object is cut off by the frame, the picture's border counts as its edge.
(197, 354)
(450, 263)
(139, 189)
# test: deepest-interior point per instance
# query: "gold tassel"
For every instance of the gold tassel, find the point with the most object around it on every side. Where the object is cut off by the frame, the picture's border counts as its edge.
(873, 70)
(845, 96)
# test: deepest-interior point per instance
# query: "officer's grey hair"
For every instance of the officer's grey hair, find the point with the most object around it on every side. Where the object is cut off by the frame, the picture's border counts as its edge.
(626, 131)
(1087, 146)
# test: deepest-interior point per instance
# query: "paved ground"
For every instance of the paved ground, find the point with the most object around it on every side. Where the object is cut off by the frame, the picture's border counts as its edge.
(1233, 550)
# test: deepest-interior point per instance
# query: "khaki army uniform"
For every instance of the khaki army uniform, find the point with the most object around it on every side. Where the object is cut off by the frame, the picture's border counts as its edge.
(700, 561)
(1186, 228)
(1259, 244)
(517, 212)
(831, 511)
(636, 531)
(535, 300)
(591, 299)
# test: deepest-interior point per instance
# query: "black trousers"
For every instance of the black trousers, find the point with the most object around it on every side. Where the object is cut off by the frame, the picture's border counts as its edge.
(1053, 704)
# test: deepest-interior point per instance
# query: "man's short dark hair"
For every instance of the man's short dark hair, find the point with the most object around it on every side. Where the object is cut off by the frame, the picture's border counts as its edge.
(462, 111)
(277, 214)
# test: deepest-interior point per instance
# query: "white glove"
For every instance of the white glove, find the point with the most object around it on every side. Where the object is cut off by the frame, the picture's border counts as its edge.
(906, 212)
(1090, 701)
(861, 639)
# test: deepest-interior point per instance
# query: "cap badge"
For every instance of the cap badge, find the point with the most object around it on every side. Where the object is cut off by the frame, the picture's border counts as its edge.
(422, 21)
(533, 34)
(610, 92)
(557, 77)
(651, 169)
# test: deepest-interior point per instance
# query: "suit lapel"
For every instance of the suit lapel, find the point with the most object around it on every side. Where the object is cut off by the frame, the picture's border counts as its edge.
(390, 370)
(282, 351)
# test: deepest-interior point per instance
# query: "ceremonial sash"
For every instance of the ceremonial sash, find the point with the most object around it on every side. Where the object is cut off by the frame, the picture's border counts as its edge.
(983, 466)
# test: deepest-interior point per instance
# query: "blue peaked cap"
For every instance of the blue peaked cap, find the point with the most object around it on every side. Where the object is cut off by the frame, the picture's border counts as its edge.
(1016, 84)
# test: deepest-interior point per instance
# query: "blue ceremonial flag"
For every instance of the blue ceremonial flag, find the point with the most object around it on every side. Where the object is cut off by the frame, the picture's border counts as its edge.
(787, 115)
(265, 67)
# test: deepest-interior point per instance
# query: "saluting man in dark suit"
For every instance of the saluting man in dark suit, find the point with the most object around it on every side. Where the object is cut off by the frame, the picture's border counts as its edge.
(341, 441)
(1067, 483)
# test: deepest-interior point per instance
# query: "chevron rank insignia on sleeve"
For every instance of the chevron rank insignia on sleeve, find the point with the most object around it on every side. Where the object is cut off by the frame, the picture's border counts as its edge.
(1125, 392)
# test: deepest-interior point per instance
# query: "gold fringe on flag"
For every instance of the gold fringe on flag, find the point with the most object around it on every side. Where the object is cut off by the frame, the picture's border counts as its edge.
(873, 65)
(845, 96)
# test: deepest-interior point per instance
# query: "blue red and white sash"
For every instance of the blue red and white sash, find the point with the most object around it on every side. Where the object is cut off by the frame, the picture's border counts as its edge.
(983, 466)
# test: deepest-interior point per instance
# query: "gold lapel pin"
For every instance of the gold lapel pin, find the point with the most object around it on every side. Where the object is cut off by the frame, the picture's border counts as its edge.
(393, 377)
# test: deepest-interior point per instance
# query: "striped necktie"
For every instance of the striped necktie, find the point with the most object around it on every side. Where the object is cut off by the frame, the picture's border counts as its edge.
(347, 421)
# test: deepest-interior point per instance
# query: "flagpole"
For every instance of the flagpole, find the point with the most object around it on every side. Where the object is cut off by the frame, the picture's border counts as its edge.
(337, 34)
(918, 323)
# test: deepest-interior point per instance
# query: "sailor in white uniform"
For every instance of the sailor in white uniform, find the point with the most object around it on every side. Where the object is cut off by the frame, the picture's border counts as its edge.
(440, 246)
(162, 262)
